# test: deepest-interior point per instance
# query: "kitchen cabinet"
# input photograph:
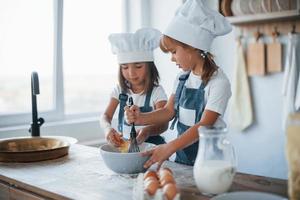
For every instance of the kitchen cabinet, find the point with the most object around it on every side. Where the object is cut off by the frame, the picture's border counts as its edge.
(83, 175)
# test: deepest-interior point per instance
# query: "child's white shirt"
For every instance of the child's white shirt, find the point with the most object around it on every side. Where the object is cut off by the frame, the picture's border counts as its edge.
(158, 94)
(216, 97)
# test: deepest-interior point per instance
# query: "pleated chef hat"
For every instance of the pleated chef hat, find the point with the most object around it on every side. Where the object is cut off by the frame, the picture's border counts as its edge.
(197, 25)
(135, 47)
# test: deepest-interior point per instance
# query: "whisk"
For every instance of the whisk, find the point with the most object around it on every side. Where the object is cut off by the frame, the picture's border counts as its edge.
(133, 146)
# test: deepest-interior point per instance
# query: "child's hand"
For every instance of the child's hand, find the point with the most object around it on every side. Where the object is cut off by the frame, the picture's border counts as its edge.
(158, 155)
(114, 138)
(132, 114)
(142, 135)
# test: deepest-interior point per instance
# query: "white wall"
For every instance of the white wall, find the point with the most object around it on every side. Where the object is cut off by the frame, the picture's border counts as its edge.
(162, 13)
(260, 149)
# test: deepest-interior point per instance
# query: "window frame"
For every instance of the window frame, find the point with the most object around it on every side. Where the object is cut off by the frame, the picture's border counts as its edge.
(57, 113)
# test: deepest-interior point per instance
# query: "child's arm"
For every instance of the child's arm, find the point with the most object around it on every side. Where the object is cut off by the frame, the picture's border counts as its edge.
(111, 135)
(163, 152)
(159, 116)
(153, 130)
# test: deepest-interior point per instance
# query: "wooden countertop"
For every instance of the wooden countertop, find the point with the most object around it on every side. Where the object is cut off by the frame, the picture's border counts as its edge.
(83, 175)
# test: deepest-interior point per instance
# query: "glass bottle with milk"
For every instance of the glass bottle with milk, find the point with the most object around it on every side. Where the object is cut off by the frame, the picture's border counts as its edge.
(215, 164)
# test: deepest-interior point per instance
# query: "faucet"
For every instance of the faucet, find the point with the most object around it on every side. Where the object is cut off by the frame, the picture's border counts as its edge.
(35, 90)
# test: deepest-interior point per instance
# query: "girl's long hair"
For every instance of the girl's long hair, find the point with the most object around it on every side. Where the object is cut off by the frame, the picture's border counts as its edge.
(151, 80)
(209, 66)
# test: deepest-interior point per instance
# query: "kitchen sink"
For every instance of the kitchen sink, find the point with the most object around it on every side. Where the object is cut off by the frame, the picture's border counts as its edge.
(32, 149)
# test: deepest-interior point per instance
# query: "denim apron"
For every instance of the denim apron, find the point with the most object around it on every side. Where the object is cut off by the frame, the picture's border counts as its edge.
(157, 139)
(192, 99)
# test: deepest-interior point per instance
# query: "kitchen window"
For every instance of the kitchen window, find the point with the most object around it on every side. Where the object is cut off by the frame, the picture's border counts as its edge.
(65, 41)
(90, 68)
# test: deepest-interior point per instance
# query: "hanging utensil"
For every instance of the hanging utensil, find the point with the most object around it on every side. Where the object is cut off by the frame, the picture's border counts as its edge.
(256, 57)
(274, 54)
(133, 146)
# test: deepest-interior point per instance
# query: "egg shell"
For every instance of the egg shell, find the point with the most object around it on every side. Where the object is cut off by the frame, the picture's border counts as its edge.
(164, 172)
(151, 178)
(170, 191)
(123, 148)
(167, 168)
(151, 187)
(167, 179)
(150, 174)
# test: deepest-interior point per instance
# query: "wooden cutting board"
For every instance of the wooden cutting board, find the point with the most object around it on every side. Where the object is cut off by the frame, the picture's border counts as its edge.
(256, 59)
(274, 57)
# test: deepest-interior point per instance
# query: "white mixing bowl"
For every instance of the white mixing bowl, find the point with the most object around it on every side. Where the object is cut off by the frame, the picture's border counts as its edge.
(124, 163)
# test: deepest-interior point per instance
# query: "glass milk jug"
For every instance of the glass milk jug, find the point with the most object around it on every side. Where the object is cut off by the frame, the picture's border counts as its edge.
(215, 164)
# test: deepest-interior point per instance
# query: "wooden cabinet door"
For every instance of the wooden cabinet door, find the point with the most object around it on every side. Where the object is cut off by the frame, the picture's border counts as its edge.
(4, 191)
(16, 194)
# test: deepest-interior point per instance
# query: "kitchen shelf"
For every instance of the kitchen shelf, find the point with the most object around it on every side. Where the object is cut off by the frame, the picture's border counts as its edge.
(266, 17)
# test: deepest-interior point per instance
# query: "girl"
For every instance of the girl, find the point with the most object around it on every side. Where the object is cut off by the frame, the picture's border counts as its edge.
(138, 78)
(201, 91)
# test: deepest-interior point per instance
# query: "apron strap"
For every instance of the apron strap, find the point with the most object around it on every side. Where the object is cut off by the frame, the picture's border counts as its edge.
(147, 100)
(123, 99)
(182, 80)
(201, 106)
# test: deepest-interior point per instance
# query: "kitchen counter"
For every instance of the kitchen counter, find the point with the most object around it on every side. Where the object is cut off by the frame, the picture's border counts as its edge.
(83, 175)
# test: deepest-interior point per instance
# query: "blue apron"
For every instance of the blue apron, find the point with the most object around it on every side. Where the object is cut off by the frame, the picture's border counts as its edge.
(192, 99)
(157, 139)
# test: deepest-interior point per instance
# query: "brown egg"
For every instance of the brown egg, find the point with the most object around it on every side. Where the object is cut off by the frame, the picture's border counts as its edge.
(164, 172)
(150, 178)
(150, 174)
(168, 169)
(151, 186)
(167, 178)
(170, 191)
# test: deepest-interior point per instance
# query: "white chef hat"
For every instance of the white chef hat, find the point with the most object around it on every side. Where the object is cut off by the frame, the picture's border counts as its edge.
(135, 47)
(197, 25)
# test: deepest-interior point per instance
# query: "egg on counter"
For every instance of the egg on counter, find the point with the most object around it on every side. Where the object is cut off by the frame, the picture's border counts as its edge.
(170, 191)
(151, 186)
(166, 177)
(163, 179)
(167, 169)
(164, 171)
(150, 174)
(151, 178)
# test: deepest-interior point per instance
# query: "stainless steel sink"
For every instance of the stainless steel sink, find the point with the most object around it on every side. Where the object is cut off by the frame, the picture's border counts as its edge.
(31, 149)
